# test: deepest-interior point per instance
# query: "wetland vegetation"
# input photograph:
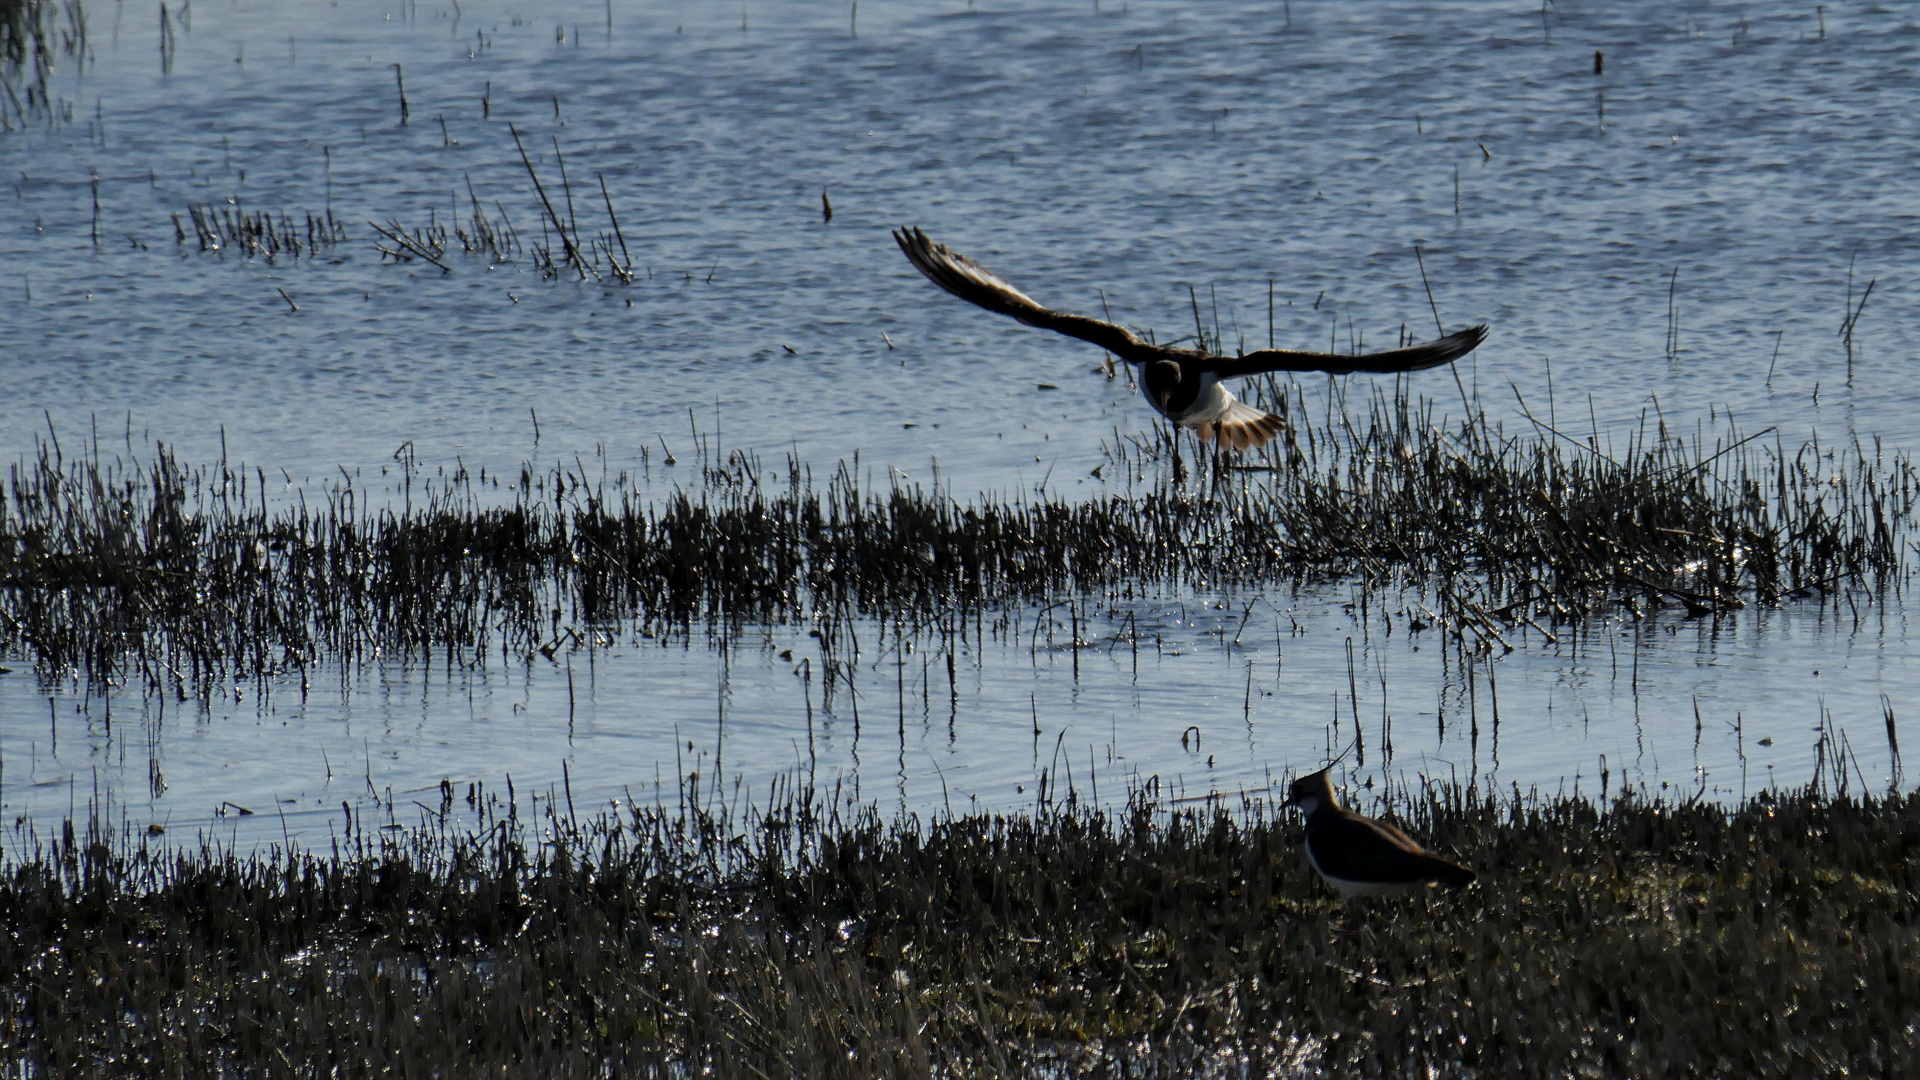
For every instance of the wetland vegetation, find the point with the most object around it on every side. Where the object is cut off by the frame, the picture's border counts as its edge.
(802, 933)
(799, 930)
(808, 936)
(138, 567)
(35, 36)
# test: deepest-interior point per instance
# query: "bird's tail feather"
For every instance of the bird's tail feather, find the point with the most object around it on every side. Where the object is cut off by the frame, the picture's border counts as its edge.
(1242, 428)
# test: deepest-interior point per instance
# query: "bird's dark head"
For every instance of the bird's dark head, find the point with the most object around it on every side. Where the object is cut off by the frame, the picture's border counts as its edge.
(1161, 379)
(1312, 791)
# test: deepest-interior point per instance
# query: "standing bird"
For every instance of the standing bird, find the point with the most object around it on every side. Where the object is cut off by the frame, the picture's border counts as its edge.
(1360, 856)
(1182, 385)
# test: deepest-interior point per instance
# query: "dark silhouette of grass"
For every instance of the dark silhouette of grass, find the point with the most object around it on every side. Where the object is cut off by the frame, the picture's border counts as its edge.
(232, 228)
(813, 938)
(183, 578)
(35, 36)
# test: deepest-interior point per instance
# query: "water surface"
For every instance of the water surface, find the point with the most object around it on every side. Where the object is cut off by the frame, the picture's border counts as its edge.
(1672, 240)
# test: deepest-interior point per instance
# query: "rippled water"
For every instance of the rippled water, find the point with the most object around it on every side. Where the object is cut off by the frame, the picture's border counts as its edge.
(1730, 165)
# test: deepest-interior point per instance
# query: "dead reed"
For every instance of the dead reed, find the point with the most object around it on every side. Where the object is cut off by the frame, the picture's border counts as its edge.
(811, 937)
(582, 258)
(34, 36)
(563, 249)
(482, 234)
(220, 229)
(184, 578)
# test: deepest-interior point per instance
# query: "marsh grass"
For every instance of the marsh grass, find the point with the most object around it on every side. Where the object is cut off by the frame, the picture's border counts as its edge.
(34, 36)
(219, 229)
(182, 578)
(490, 237)
(579, 255)
(563, 248)
(1543, 526)
(810, 937)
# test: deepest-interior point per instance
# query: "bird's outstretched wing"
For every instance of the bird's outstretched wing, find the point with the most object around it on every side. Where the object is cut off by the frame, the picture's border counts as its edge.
(976, 284)
(1412, 358)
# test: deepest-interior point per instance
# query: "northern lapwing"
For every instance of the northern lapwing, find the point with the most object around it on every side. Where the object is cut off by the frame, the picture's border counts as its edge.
(1360, 856)
(1182, 385)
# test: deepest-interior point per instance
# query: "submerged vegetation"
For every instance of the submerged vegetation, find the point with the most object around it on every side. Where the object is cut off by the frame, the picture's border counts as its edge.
(185, 577)
(219, 228)
(813, 938)
(562, 250)
(34, 36)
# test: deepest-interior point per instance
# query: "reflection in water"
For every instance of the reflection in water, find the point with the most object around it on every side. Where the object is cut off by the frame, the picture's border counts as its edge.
(1197, 693)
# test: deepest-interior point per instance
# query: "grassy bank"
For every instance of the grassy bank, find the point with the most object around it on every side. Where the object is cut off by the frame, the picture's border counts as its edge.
(141, 569)
(817, 939)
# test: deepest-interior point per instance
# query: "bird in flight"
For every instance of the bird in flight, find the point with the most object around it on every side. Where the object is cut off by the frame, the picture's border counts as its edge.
(1182, 385)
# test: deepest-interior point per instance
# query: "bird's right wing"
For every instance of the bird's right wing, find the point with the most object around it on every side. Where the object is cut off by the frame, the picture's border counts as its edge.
(976, 284)
(1359, 849)
(1412, 358)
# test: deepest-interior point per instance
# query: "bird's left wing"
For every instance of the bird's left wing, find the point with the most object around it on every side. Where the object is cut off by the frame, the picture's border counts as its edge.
(1412, 358)
(976, 284)
(1355, 848)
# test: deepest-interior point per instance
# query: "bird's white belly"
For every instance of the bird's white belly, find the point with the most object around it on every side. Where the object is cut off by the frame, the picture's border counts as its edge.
(1210, 406)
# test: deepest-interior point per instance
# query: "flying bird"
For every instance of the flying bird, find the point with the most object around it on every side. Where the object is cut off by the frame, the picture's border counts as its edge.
(1182, 385)
(1359, 856)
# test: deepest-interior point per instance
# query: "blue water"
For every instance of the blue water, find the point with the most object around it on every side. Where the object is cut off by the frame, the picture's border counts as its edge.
(1731, 165)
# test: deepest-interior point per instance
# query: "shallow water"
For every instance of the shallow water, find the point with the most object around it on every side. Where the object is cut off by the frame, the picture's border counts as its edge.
(1119, 156)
